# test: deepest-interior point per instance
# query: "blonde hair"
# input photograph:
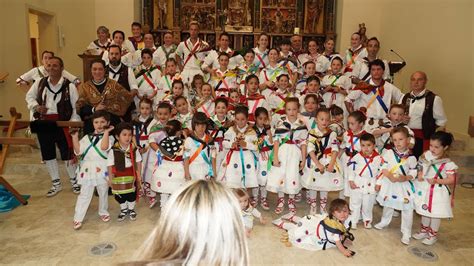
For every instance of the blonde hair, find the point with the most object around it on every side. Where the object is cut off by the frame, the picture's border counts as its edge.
(200, 224)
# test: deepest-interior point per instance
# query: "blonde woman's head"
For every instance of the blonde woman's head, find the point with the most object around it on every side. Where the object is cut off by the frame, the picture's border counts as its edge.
(201, 224)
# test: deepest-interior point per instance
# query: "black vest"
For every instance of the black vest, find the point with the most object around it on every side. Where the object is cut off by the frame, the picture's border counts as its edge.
(428, 123)
(64, 106)
(123, 78)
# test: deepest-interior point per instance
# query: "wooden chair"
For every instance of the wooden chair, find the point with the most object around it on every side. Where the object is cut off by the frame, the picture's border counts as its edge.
(8, 140)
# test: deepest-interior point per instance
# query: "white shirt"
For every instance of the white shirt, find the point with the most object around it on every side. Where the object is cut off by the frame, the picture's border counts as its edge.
(144, 86)
(212, 59)
(159, 56)
(132, 82)
(331, 98)
(40, 72)
(417, 108)
(261, 58)
(361, 68)
(134, 59)
(349, 60)
(51, 103)
(375, 110)
(322, 63)
(97, 49)
(189, 61)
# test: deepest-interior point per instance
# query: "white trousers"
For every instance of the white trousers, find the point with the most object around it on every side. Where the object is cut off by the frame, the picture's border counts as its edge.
(407, 220)
(85, 197)
(364, 202)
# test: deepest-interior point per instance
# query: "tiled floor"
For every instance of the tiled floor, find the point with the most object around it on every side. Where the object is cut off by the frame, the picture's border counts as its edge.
(41, 234)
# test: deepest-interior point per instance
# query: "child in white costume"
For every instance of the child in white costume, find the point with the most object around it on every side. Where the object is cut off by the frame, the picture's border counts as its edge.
(382, 131)
(156, 135)
(239, 168)
(199, 151)
(434, 191)
(253, 99)
(310, 103)
(265, 146)
(245, 69)
(335, 85)
(148, 76)
(323, 171)
(395, 187)
(93, 173)
(223, 79)
(289, 152)
(276, 100)
(206, 103)
(362, 180)
(168, 175)
(248, 211)
(219, 126)
(351, 146)
(142, 126)
(320, 232)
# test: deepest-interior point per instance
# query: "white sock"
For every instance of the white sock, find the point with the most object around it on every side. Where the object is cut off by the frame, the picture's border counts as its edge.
(131, 205)
(71, 171)
(281, 194)
(263, 192)
(255, 192)
(53, 169)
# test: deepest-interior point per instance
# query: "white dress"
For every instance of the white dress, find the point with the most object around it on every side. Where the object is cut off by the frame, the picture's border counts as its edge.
(218, 130)
(351, 146)
(311, 233)
(434, 200)
(291, 137)
(141, 132)
(168, 175)
(264, 149)
(323, 145)
(92, 170)
(203, 151)
(248, 216)
(239, 168)
(398, 195)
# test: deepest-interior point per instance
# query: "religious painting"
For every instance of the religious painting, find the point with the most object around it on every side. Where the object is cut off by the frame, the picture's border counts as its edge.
(202, 11)
(314, 18)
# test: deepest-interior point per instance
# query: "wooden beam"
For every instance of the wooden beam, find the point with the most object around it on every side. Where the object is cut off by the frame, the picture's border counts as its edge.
(70, 123)
(17, 141)
(4, 123)
(23, 124)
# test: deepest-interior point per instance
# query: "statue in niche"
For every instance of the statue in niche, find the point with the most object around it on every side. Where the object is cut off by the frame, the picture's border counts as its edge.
(278, 20)
(313, 13)
(162, 5)
(363, 34)
(238, 16)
